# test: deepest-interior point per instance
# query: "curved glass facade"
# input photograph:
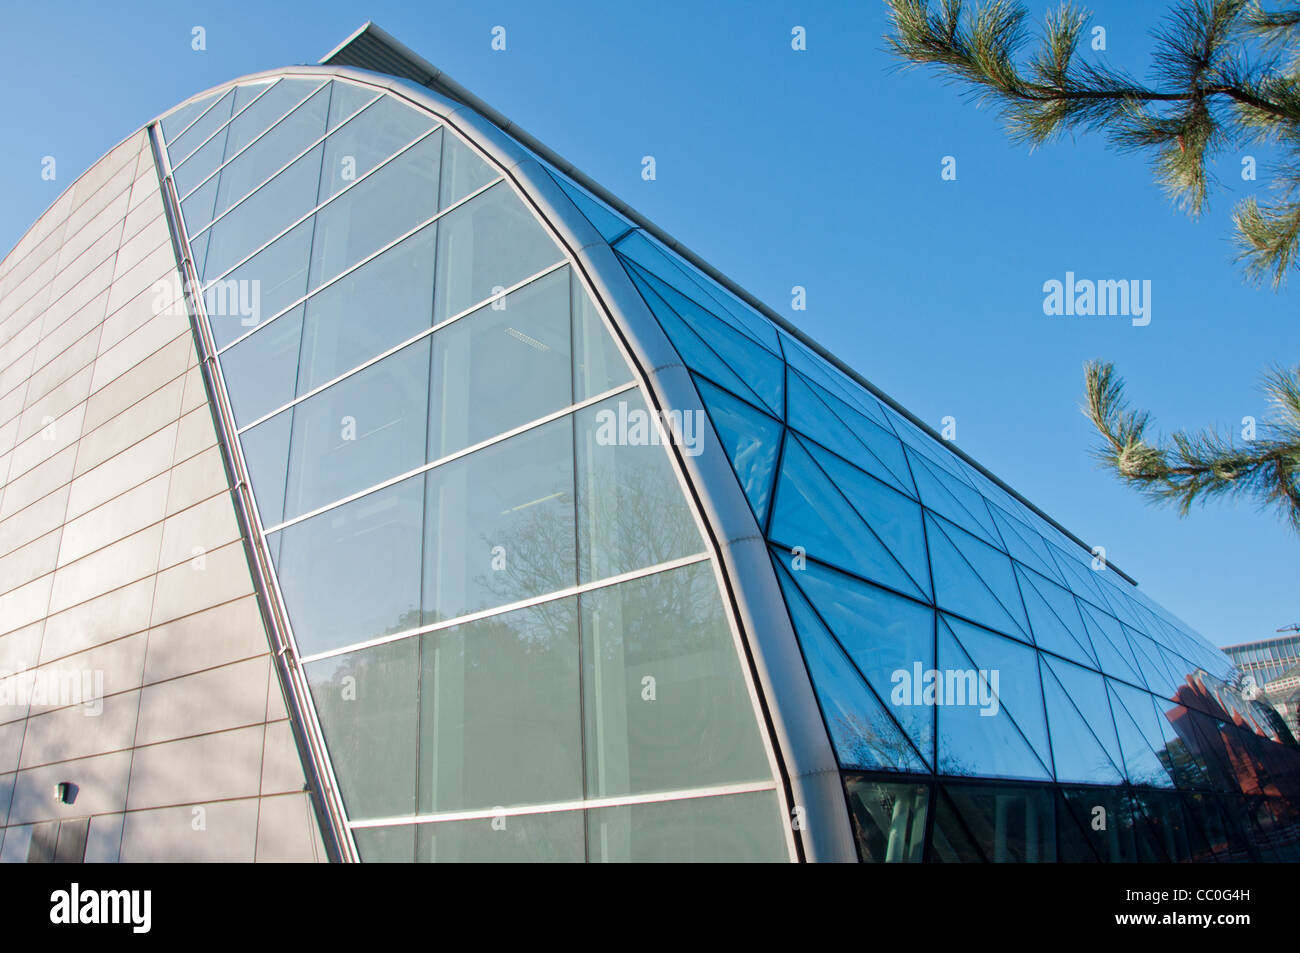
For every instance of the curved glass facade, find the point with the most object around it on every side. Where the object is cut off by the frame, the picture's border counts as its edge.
(500, 585)
(504, 607)
(991, 691)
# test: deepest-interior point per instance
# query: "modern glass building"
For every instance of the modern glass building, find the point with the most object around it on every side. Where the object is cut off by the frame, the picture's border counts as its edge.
(442, 508)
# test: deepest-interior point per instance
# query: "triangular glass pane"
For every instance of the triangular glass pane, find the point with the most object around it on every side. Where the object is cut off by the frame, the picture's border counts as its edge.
(1141, 764)
(810, 512)
(810, 416)
(883, 634)
(176, 121)
(940, 493)
(697, 355)
(1110, 645)
(978, 734)
(1176, 666)
(345, 100)
(865, 736)
(602, 218)
(1025, 545)
(751, 439)
(1153, 670)
(894, 518)
(654, 259)
(463, 172)
(973, 579)
(1079, 755)
(1077, 576)
(830, 378)
(883, 445)
(1054, 617)
(759, 367)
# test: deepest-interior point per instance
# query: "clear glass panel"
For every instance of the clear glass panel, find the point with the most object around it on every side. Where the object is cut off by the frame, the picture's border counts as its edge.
(346, 99)
(281, 143)
(197, 210)
(353, 572)
(200, 165)
(811, 513)
(176, 121)
(268, 109)
(386, 845)
(865, 736)
(463, 171)
(500, 711)
(368, 705)
(193, 137)
(751, 439)
(598, 364)
(263, 214)
(951, 841)
(259, 370)
(376, 210)
(367, 140)
(736, 828)
(632, 512)
(266, 454)
(386, 301)
(361, 431)
(516, 839)
(484, 247)
(665, 702)
(974, 579)
(888, 820)
(502, 366)
(978, 693)
(260, 288)
(884, 635)
(500, 524)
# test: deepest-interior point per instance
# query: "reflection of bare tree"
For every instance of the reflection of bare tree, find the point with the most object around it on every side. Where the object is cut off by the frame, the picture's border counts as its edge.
(862, 743)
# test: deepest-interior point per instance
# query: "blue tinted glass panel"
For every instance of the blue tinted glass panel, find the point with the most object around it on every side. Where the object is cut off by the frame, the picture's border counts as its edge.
(974, 579)
(751, 439)
(1054, 618)
(604, 219)
(953, 500)
(864, 734)
(884, 634)
(810, 512)
(1075, 708)
(266, 454)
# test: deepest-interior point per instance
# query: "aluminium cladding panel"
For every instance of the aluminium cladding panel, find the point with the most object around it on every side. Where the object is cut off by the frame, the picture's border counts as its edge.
(133, 659)
(794, 719)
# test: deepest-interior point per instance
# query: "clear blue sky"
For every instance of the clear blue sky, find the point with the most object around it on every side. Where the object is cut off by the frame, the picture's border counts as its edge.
(821, 169)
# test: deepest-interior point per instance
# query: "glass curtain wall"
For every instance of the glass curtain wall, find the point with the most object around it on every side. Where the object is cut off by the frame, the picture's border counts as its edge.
(508, 617)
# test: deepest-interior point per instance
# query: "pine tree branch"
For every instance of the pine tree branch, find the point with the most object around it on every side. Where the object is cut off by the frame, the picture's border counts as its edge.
(1192, 467)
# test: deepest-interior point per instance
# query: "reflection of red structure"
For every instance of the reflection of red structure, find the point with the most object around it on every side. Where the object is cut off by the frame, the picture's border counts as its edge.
(1220, 739)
